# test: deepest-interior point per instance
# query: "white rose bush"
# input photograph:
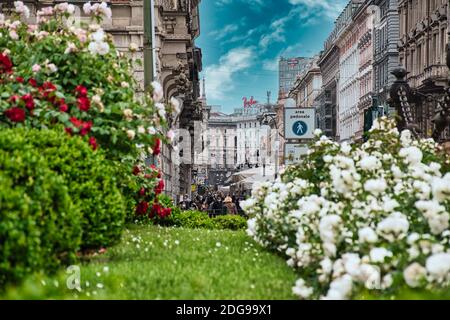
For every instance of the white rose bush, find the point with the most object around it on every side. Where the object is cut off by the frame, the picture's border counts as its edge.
(372, 217)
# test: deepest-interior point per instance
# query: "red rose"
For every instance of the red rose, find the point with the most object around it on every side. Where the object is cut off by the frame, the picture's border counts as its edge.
(63, 107)
(166, 212)
(93, 143)
(81, 90)
(48, 86)
(83, 104)
(156, 172)
(142, 192)
(20, 79)
(69, 131)
(159, 187)
(5, 64)
(136, 170)
(15, 114)
(142, 208)
(29, 102)
(32, 82)
(76, 122)
(157, 147)
(156, 209)
(85, 128)
(14, 99)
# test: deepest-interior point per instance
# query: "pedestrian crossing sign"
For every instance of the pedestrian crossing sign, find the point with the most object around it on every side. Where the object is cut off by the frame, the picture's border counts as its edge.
(299, 123)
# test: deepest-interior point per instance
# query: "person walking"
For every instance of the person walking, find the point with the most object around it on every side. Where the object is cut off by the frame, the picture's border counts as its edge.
(230, 206)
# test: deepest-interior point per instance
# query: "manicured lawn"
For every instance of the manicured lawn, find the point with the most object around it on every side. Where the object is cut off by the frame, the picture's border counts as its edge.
(174, 263)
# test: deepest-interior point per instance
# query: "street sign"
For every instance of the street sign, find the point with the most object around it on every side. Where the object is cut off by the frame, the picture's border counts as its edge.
(293, 152)
(299, 123)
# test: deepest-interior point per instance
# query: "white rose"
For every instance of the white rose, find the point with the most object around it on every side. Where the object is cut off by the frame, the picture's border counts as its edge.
(133, 47)
(131, 134)
(98, 36)
(93, 47)
(141, 130)
(368, 235)
(378, 255)
(412, 155)
(52, 68)
(87, 8)
(103, 48)
(128, 113)
(370, 163)
(318, 132)
(151, 130)
(438, 265)
(413, 274)
(171, 135)
(158, 93)
(375, 186)
(175, 105)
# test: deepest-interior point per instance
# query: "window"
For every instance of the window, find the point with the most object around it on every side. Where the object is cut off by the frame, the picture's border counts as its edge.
(419, 59)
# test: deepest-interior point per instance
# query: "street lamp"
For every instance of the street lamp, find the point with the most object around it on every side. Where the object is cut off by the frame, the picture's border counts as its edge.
(269, 119)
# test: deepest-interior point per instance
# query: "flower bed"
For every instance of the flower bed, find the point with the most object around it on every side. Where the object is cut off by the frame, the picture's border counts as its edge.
(360, 217)
(67, 76)
(66, 73)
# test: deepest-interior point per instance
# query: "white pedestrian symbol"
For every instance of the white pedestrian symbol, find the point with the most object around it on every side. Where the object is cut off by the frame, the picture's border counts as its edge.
(300, 128)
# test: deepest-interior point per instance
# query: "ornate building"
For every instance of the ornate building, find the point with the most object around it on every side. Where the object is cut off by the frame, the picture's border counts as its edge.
(288, 70)
(386, 36)
(307, 86)
(169, 35)
(327, 104)
(348, 90)
(364, 21)
(423, 48)
(178, 63)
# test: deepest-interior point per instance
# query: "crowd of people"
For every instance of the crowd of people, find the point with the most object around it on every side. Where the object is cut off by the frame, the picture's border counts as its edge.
(214, 203)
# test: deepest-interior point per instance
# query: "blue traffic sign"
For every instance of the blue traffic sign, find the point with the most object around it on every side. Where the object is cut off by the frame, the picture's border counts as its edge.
(300, 128)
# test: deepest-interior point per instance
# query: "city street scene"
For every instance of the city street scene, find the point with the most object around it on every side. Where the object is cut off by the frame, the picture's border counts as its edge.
(225, 150)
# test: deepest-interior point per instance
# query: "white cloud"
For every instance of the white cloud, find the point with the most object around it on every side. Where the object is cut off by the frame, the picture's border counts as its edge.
(225, 31)
(219, 77)
(278, 28)
(271, 64)
(328, 8)
(288, 52)
(256, 4)
(304, 13)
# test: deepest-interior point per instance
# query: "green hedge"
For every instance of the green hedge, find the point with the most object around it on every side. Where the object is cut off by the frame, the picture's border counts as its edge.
(90, 178)
(56, 196)
(200, 220)
(40, 227)
(231, 222)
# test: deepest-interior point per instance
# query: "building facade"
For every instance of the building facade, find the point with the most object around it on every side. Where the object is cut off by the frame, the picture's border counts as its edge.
(175, 61)
(307, 86)
(422, 47)
(364, 22)
(288, 70)
(386, 57)
(177, 65)
(327, 104)
(237, 141)
(348, 90)
(253, 140)
(221, 148)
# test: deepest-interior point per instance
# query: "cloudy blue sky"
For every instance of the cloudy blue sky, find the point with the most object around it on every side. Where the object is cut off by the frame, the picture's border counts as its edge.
(241, 41)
